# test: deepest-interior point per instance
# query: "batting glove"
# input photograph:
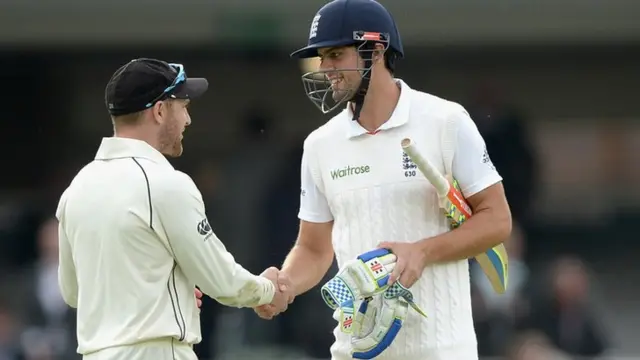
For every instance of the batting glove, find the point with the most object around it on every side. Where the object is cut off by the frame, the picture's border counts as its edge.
(376, 324)
(366, 276)
(396, 291)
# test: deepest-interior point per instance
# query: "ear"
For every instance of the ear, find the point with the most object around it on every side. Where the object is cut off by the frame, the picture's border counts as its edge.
(378, 53)
(159, 111)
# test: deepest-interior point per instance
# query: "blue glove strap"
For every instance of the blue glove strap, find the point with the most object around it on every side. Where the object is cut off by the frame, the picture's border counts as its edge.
(373, 254)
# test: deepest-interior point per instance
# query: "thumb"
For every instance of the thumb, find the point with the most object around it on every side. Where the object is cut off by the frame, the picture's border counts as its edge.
(283, 281)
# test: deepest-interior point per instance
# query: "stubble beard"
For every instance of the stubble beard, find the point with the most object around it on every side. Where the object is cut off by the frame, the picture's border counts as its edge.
(170, 139)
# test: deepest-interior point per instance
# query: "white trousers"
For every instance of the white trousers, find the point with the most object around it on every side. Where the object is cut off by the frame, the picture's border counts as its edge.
(161, 349)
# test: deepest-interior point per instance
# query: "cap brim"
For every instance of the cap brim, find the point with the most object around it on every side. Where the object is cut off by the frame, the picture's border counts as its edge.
(312, 50)
(191, 89)
(305, 52)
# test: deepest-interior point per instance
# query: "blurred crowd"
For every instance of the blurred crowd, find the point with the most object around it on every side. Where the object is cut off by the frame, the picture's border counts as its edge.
(546, 313)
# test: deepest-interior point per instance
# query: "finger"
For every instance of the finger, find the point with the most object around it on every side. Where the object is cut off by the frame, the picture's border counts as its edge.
(385, 245)
(198, 293)
(263, 315)
(397, 271)
(407, 280)
(199, 303)
(270, 271)
(264, 312)
(409, 277)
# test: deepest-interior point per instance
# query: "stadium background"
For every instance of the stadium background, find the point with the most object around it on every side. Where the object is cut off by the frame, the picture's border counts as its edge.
(552, 85)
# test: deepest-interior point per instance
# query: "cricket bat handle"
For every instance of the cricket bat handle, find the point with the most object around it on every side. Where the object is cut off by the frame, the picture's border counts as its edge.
(494, 262)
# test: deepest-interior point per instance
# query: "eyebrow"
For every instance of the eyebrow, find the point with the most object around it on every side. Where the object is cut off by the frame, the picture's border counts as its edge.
(328, 50)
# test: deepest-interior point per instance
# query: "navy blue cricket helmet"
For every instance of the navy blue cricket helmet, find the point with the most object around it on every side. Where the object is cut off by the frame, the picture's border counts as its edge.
(347, 23)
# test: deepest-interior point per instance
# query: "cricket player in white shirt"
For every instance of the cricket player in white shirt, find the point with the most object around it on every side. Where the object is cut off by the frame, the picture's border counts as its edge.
(360, 191)
(134, 237)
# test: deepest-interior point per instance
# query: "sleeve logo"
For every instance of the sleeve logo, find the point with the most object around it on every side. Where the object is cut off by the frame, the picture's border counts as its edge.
(204, 228)
(486, 159)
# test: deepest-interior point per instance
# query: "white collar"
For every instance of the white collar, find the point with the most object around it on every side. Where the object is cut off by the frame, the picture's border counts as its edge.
(118, 148)
(399, 117)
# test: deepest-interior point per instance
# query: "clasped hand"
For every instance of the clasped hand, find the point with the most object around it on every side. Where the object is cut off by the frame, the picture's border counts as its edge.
(410, 262)
(283, 296)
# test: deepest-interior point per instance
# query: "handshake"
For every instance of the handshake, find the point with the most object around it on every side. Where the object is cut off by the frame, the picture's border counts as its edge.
(283, 296)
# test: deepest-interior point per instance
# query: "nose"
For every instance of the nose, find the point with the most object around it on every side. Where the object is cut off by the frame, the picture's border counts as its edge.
(326, 64)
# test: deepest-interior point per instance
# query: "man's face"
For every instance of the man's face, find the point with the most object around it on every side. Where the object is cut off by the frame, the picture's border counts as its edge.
(177, 119)
(340, 64)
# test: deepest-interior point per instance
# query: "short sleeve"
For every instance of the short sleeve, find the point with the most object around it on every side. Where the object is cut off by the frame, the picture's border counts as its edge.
(314, 206)
(472, 166)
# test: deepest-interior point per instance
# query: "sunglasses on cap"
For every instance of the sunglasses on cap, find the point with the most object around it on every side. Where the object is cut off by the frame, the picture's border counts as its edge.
(180, 78)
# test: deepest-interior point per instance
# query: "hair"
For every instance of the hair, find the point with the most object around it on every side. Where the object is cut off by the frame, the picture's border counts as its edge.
(133, 118)
(390, 58)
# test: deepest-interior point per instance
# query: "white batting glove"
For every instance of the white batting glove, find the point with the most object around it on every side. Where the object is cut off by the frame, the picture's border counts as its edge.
(376, 324)
(363, 277)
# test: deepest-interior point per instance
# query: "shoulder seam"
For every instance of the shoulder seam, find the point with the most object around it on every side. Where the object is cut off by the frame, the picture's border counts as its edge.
(146, 179)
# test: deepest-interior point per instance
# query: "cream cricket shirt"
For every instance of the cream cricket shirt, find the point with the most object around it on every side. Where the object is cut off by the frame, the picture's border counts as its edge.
(134, 242)
(373, 193)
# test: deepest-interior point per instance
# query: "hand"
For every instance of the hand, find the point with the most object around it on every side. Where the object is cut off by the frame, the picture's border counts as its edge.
(410, 262)
(198, 294)
(284, 295)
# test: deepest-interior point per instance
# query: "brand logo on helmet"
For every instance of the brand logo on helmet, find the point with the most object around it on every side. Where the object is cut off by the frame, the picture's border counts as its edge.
(314, 26)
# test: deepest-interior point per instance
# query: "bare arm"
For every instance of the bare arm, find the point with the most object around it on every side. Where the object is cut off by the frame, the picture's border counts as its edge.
(311, 256)
(489, 226)
(481, 184)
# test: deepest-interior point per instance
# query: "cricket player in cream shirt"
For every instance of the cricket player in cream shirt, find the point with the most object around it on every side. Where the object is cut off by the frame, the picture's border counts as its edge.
(134, 237)
(360, 191)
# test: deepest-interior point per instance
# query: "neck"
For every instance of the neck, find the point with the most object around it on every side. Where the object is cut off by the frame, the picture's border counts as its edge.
(137, 134)
(379, 103)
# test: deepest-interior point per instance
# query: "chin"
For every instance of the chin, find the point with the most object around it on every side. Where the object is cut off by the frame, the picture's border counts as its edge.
(174, 152)
(341, 95)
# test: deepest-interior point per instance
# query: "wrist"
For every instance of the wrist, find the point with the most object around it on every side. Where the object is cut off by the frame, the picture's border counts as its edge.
(267, 290)
(428, 249)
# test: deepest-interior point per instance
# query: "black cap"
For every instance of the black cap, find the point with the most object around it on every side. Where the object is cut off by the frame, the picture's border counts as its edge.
(139, 84)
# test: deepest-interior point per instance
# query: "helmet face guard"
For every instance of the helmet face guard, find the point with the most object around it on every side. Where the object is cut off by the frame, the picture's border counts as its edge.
(319, 88)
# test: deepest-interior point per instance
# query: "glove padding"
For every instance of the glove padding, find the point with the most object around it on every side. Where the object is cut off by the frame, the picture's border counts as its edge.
(345, 313)
(376, 324)
(366, 276)
(362, 284)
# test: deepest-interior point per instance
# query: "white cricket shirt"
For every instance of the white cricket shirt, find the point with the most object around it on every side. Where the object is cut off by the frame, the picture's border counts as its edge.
(134, 243)
(367, 186)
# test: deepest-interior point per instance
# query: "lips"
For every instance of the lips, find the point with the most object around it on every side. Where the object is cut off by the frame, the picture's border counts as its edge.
(335, 82)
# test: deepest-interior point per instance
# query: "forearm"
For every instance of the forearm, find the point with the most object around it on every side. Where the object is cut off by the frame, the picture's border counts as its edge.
(482, 231)
(306, 267)
(256, 291)
(210, 266)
